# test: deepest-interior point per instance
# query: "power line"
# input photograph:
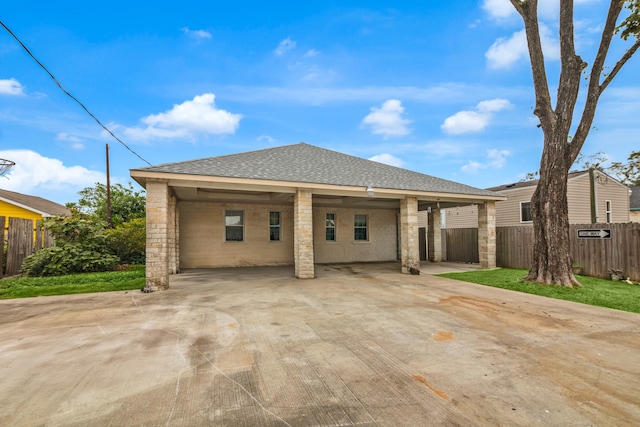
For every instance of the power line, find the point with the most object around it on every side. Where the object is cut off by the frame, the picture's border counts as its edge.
(69, 94)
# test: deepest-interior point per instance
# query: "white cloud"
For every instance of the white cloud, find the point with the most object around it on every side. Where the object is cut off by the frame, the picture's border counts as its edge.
(505, 52)
(474, 121)
(197, 34)
(33, 170)
(64, 136)
(266, 138)
(311, 53)
(387, 120)
(499, 9)
(284, 46)
(503, 9)
(186, 120)
(387, 159)
(496, 159)
(10, 87)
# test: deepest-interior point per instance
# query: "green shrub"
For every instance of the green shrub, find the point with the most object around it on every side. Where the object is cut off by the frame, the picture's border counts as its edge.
(80, 248)
(67, 259)
(128, 241)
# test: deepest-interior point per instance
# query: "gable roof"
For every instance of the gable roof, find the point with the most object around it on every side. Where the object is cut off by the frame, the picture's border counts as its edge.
(33, 203)
(310, 164)
(532, 183)
(634, 199)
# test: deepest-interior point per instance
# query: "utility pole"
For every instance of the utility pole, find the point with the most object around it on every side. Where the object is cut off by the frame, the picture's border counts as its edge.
(109, 218)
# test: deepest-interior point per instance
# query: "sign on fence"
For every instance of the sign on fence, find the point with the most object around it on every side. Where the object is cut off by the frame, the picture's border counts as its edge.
(594, 234)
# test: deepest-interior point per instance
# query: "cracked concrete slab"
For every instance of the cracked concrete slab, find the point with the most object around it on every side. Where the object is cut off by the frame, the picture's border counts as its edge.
(359, 345)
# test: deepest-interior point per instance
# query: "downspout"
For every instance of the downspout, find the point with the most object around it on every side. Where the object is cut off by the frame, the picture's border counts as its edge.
(592, 196)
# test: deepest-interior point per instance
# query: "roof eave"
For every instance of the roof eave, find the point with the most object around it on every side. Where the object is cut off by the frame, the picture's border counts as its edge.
(230, 183)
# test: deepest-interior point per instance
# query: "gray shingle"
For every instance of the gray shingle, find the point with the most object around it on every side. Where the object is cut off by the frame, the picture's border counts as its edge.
(310, 164)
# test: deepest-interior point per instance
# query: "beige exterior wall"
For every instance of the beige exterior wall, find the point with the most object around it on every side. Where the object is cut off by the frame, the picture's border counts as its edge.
(578, 190)
(634, 216)
(383, 236)
(460, 217)
(202, 236)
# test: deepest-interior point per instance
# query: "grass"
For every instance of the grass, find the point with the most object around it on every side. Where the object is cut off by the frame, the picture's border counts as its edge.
(23, 287)
(596, 291)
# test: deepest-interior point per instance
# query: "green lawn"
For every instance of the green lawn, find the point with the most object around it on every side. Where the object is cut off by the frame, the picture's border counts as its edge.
(596, 291)
(22, 287)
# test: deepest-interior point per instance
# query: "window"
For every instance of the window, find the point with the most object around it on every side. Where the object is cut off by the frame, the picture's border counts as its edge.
(525, 212)
(607, 205)
(360, 227)
(234, 226)
(330, 228)
(274, 226)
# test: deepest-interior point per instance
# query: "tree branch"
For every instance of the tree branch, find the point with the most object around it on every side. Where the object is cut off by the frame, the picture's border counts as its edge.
(528, 10)
(595, 88)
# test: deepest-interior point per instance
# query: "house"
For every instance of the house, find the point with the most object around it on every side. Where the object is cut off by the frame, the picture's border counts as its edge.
(593, 197)
(295, 205)
(634, 204)
(18, 205)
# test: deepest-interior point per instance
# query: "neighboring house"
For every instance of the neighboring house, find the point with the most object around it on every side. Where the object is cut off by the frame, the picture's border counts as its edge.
(18, 205)
(634, 204)
(294, 205)
(602, 199)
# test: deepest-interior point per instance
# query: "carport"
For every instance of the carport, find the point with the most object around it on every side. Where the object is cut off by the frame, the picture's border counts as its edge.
(297, 205)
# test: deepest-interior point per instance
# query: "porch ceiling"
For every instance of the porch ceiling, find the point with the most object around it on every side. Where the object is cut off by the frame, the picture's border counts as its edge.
(224, 195)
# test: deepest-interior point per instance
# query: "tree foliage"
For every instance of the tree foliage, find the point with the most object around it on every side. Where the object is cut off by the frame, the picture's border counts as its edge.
(80, 248)
(549, 206)
(126, 203)
(84, 243)
(628, 173)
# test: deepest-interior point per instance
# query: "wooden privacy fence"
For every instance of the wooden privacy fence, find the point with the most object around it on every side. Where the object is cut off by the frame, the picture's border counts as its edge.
(21, 239)
(596, 255)
(461, 245)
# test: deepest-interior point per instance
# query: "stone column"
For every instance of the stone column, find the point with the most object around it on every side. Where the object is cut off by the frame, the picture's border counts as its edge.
(487, 234)
(410, 249)
(303, 234)
(172, 238)
(435, 233)
(158, 234)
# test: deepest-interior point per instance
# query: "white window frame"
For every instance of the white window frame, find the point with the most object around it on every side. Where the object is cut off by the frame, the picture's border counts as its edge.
(521, 219)
(230, 213)
(366, 227)
(327, 227)
(277, 226)
(607, 209)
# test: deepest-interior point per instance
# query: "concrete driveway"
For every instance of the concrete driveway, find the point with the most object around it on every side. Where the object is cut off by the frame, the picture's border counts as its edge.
(359, 345)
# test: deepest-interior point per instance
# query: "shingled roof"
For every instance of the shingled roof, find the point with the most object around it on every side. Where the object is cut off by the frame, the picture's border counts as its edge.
(310, 164)
(532, 183)
(34, 203)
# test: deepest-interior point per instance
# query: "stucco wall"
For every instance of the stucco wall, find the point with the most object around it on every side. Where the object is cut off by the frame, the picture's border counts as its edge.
(202, 236)
(381, 246)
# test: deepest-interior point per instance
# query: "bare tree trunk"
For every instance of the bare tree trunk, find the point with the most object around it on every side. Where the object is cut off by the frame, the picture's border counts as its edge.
(549, 208)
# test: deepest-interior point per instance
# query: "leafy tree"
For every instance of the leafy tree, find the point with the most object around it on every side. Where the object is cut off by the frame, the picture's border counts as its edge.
(628, 173)
(582, 163)
(126, 203)
(80, 248)
(551, 260)
(128, 241)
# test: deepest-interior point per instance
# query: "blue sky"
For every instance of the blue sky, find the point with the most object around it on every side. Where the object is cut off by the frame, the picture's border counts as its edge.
(442, 88)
